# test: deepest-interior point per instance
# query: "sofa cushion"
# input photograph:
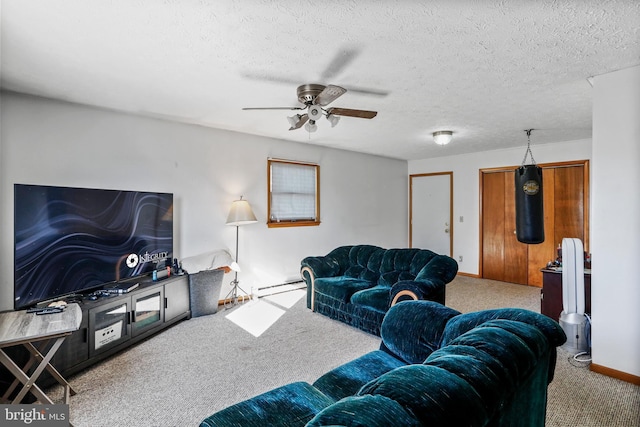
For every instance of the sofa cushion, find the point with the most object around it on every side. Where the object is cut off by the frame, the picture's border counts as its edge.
(289, 405)
(412, 330)
(364, 411)
(367, 256)
(482, 371)
(431, 394)
(359, 272)
(341, 288)
(347, 379)
(377, 298)
(397, 259)
(515, 355)
(392, 277)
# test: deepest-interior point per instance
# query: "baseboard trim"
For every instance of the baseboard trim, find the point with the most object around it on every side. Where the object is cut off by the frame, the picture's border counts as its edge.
(633, 379)
(241, 299)
(477, 276)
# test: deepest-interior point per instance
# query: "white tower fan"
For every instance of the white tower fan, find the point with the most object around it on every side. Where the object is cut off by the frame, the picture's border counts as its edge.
(573, 320)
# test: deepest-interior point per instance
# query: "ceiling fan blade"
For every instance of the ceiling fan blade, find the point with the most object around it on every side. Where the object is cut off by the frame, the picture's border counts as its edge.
(274, 108)
(303, 119)
(329, 94)
(339, 62)
(367, 91)
(362, 114)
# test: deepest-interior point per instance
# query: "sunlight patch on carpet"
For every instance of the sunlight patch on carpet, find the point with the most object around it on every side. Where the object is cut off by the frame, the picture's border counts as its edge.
(286, 299)
(255, 317)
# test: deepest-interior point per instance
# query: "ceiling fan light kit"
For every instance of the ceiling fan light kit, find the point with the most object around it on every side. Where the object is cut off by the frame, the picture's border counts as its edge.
(442, 137)
(333, 119)
(315, 97)
(311, 126)
(314, 112)
(293, 120)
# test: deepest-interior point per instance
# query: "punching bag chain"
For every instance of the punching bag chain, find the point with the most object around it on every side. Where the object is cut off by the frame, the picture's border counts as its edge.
(533, 161)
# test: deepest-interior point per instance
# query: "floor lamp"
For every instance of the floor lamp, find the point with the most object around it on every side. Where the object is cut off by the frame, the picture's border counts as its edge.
(239, 214)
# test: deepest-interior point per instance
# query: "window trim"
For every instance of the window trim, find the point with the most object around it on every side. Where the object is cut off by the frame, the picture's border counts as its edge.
(293, 223)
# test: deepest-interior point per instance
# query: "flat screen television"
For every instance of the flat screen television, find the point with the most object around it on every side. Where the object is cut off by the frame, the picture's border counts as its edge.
(72, 240)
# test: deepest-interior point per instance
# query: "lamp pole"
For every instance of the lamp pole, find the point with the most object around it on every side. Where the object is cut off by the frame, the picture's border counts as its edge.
(239, 214)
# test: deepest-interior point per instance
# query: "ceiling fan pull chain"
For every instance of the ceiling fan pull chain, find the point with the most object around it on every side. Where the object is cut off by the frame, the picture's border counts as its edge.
(533, 161)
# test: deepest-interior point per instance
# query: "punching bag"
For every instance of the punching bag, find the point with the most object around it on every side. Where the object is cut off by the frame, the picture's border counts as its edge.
(529, 207)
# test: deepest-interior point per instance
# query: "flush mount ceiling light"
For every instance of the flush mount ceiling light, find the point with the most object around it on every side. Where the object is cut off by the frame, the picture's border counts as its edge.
(442, 137)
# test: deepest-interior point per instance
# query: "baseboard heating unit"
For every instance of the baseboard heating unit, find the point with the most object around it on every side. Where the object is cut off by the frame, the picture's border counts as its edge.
(280, 288)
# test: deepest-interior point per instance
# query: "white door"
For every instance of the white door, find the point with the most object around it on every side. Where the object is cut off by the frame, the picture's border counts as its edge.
(431, 212)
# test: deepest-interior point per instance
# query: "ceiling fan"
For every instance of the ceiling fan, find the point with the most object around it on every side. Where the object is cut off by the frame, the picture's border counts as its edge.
(315, 97)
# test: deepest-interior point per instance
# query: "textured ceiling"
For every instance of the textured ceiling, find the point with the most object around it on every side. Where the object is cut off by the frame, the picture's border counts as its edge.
(485, 69)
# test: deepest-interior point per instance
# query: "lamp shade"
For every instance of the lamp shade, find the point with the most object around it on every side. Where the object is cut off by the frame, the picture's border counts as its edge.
(241, 213)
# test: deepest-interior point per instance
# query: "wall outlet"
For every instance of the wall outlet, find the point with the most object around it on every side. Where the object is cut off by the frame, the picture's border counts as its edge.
(459, 258)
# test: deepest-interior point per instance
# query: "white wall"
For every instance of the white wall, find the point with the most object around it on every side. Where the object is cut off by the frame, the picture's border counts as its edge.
(466, 186)
(615, 234)
(363, 197)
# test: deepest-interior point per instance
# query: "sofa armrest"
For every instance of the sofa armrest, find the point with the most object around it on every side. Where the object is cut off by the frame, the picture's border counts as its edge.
(440, 267)
(425, 289)
(331, 265)
(412, 330)
(313, 267)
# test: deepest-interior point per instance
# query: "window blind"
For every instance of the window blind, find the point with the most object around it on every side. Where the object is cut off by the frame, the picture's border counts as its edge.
(293, 192)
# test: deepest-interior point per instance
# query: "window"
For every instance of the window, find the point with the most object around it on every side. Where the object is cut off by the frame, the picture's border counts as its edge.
(294, 198)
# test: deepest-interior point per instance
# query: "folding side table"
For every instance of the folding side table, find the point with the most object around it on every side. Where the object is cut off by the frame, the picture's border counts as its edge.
(38, 334)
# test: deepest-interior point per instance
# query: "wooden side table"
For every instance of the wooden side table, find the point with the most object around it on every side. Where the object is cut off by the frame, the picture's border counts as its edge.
(38, 334)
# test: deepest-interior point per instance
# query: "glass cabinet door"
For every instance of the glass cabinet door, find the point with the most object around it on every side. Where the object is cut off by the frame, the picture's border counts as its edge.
(147, 310)
(109, 326)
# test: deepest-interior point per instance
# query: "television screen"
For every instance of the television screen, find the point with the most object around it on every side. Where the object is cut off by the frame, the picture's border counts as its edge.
(69, 240)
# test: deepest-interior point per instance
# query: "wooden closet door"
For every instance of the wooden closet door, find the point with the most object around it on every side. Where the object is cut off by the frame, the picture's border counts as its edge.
(493, 213)
(515, 253)
(569, 215)
(540, 254)
(504, 258)
(565, 192)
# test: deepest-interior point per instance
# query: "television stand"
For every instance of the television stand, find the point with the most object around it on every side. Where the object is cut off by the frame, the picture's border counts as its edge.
(111, 324)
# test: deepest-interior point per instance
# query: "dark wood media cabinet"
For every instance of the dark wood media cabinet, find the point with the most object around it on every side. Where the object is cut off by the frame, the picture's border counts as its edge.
(112, 323)
(551, 293)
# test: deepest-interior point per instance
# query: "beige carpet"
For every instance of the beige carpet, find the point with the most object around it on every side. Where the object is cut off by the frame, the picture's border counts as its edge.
(202, 365)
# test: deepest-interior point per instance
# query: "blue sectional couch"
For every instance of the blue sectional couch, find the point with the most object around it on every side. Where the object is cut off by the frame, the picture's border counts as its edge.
(435, 367)
(357, 284)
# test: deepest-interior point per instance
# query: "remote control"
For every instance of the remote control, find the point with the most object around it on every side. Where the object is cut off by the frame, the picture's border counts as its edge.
(49, 310)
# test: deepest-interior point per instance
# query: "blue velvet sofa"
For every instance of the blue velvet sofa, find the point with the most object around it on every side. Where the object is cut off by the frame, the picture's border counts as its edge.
(435, 367)
(357, 284)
